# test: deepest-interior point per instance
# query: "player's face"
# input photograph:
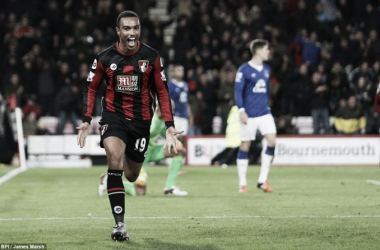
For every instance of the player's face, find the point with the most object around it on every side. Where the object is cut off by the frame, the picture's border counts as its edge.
(263, 52)
(178, 72)
(129, 31)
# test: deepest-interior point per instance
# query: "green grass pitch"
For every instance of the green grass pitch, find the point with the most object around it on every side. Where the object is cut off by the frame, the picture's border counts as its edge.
(310, 208)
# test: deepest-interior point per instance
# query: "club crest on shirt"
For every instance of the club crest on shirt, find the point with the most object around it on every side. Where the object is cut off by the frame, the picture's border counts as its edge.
(266, 73)
(143, 65)
(103, 129)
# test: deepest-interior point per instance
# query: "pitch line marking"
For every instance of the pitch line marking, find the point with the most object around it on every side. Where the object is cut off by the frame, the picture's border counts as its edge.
(373, 182)
(11, 174)
(203, 217)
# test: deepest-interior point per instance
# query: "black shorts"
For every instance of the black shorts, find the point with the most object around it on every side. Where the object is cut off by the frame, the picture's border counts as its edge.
(134, 133)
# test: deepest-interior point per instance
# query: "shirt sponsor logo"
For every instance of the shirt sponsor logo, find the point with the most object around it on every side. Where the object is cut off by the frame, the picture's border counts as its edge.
(94, 64)
(129, 83)
(113, 66)
(90, 76)
(143, 65)
(260, 87)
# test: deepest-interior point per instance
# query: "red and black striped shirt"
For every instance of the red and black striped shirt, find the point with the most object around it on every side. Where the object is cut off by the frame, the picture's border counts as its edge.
(134, 80)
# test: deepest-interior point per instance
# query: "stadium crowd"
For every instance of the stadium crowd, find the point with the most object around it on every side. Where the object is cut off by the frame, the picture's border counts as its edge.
(323, 52)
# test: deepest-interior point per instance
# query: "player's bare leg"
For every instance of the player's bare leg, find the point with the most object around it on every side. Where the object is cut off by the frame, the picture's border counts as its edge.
(242, 165)
(115, 149)
(266, 161)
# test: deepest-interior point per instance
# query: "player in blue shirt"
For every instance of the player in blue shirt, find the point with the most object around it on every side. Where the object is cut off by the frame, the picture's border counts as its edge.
(252, 99)
(178, 91)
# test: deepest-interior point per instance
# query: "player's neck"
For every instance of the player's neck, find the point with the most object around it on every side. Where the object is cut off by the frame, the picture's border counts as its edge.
(256, 61)
(177, 80)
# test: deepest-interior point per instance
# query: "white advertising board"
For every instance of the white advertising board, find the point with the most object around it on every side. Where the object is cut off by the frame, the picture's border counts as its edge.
(304, 150)
(63, 144)
(200, 150)
(295, 150)
(327, 151)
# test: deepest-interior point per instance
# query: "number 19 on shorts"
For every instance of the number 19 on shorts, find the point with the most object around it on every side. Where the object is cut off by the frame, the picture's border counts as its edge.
(140, 144)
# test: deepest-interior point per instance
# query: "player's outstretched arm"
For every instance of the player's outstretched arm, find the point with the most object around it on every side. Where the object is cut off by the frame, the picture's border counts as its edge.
(171, 139)
(83, 130)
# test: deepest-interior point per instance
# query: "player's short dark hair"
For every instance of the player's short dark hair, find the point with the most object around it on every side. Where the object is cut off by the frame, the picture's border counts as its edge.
(257, 44)
(127, 13)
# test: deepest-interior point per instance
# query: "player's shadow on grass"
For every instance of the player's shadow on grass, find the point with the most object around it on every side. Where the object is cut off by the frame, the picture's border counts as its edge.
(151, 243)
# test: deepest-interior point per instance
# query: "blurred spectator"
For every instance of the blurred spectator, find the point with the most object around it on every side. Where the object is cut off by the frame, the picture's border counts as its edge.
(370, 18)
(46, 89)
(303, 90)
(365, 96)
(376, 70)
(338, 86)
(319, 105)
(29, 78)
(198, 106)
(31, 106)
(284, 125)
(23, 30)
(363, 71)
(226, 69)
(13, 87)
(311, 48)
(68, 101)
(225, 97)
(350, 119)
(303, 18)
(208, 86)
(287, 89)
(357, 46)
(29, 123)
(373, 45)
(41, 128)
(185, 7)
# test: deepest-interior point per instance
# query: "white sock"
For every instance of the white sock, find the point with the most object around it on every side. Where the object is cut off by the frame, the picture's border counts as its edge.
(266, 161)
(242, 166)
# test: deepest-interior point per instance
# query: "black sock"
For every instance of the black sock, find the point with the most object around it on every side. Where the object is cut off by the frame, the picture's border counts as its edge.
(116, 194)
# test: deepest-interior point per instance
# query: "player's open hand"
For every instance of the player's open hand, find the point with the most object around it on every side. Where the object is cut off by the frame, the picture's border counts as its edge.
(171, 139)
(84, 128)
(243, 116)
